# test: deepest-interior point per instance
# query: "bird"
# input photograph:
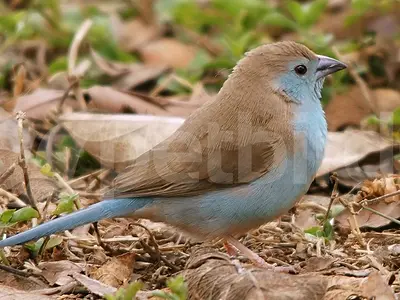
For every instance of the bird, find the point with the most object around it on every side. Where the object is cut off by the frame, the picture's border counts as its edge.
(241, 160)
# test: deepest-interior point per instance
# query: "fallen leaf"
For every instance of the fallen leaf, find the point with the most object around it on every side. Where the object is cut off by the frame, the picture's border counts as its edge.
(38, 104)
(9, 293)
(117, 271)
(347, 109)
(110, 100)
(58, 272)
(94, 286)
(167, 51)
(374, 285)
(116, 140)
(9, 139)
(127, 76)
(134, 34)
(345, 149)
(42, 187)
(370, 190)
(316, 264)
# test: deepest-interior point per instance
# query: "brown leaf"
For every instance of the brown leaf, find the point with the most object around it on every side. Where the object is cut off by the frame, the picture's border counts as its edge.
(350, 108)
(110, 100)
(117, 271)
(116, 140)
(127, 76)
(9, 139)
(167, 51)
(133, 34)
(209, 274)
(347, 109)
(374, 285)
(94, 286)
(58, 272)
(38, 104)
(370, 190)
(347, 148)
(41, 185)
(9, 293)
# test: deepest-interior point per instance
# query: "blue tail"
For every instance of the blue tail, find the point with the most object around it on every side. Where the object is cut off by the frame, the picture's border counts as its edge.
(102, 210)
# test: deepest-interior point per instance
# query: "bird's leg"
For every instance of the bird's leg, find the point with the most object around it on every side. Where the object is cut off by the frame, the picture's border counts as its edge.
(255, 258)
(232, 251)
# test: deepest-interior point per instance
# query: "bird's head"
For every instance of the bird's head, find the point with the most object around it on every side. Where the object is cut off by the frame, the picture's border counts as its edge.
(290, 69)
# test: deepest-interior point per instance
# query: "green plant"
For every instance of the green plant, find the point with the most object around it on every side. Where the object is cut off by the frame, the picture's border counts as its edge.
(127, 293)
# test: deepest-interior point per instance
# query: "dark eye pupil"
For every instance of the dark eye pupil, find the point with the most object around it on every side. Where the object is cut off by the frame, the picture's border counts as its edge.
(301, 69)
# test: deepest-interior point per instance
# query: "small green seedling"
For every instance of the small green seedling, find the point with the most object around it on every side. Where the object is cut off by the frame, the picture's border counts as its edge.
(178, 289)
(127, 293)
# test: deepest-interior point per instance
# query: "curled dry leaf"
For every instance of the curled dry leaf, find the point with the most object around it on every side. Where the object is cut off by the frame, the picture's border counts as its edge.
(116, 140)
(117, 271)
(167, 51)
(209, 274)
(127, 76)
(38, 104)
(348, 150)
(370, 190)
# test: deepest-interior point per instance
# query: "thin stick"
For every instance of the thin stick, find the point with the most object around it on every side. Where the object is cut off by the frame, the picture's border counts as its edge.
(334, 195)
(7, 173)
(22, 162)
(14, 271)
(72, 58)
(12, 197)
(381, 214)
(365, 201)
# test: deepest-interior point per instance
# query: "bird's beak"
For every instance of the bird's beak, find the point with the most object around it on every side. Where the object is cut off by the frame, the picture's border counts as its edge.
(327, 65)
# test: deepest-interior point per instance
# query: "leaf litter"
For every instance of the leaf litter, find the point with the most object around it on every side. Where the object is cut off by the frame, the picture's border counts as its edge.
(136, 92)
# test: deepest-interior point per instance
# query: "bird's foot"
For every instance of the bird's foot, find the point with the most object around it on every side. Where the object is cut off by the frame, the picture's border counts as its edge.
(255, 258)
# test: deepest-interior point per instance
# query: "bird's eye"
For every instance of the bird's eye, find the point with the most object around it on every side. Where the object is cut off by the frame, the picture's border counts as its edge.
(300, 69)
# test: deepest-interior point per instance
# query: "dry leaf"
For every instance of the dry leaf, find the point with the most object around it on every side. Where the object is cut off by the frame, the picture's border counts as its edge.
(116, 140)
(94, 286)
(117, 271)
(167, 51)
(41, 185)
(370, 190)
(210, 275)
(127, 76)
(9, 293)
(133, 34)
(348, 148)
(350, 108)
(9, 139)
(38, 104)
(58, 272)
(110, 100)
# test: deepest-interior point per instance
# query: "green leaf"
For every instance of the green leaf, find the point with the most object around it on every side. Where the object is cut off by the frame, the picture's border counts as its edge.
(396, 117)
(66, 204)
(24, 214)
(125, 294)
(46, 170)
(328, 230)
(7, 215)
(35, 247)
(313, 12)
(279, 20)
(297, 11)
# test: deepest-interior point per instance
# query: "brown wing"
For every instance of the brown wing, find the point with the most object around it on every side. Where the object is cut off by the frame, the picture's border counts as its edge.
(196, 160)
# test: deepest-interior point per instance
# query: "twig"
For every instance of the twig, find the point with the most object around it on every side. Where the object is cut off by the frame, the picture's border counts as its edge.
(12, 197)
(381, 214)
(14, 271)
(22, 161)
(365, 91)
(365, 201)
(7, 173)
(76, 42)
(72, 58)
(334, 195)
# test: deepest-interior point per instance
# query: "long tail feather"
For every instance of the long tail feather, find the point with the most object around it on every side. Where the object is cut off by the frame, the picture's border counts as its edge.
(102, 210)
